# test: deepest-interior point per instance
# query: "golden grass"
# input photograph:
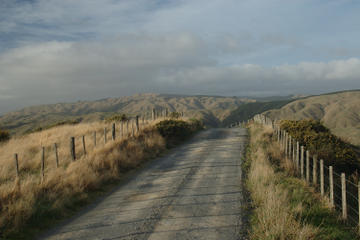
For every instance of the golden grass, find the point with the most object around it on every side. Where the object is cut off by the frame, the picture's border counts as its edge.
(23, 198)
(274, 217)
(340, 112)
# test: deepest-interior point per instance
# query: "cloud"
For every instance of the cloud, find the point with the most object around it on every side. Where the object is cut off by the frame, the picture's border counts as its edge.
(181, 63)
(53, 51)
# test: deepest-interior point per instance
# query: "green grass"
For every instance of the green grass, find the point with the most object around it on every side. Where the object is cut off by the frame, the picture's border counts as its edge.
(314, 211)
(304, 203)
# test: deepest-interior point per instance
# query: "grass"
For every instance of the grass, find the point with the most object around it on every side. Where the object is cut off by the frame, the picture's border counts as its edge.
(29, 204)
(337, 111)
(284, 206)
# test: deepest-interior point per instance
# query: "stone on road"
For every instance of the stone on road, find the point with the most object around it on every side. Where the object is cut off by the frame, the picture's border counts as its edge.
(193, 193)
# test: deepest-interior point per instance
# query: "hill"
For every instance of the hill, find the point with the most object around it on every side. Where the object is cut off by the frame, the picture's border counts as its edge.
(248, 110)
(340, 112)
(212, 109)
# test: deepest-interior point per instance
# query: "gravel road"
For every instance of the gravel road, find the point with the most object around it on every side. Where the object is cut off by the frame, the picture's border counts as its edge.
(192, 193)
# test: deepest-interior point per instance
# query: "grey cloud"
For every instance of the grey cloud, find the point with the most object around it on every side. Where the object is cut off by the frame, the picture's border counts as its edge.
(52, 72)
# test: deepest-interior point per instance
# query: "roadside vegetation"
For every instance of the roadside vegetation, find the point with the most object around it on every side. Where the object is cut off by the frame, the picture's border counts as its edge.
(284, 207)
(29, 203)
(319, 140)
(4, 135)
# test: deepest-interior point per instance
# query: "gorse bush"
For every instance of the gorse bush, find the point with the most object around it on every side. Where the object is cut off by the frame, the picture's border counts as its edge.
(175, 115)
(177, 130)
(4, 135)
(319, 140)
(117, 118)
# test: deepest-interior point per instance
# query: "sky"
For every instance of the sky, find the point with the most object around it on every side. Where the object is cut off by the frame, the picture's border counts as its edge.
(65, 50)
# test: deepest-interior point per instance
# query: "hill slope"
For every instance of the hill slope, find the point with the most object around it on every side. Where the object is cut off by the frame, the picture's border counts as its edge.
(338, 111)
(212, 109)
(248, 110)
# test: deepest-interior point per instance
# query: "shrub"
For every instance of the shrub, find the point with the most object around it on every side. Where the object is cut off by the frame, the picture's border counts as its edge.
(177, 130)
(174, 129)
(319, 140)
(175, 115)
(117, 118)
(4, 135)
(196, 124)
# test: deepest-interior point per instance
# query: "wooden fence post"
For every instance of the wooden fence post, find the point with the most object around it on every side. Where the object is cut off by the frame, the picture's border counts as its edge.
(286, 144)
(105, 138)
(290, 146)
(293, 153)
(302, 162)
(343, 196)
(127, 128)
(153, 116)
(132, 128)
(331, 183)
(307, 166)
(94, 138)
(122, 129)
(72, 149)
(113, 133)
(56, 155)
(359, 203)
(315, 169)
(137, 124)
(297, 154)
(322, 190)
(16, 165)
(83, 143)
(43, 164)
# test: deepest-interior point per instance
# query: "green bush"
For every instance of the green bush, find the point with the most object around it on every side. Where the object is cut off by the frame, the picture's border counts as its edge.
(117, 118)
(175, 131)
(4, 135)
(175, 115)
(319, 140)
(196, 124)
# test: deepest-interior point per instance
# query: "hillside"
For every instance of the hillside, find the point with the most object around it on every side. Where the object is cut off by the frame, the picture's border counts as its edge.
(338, 111)
(212, 109)
(249, 110)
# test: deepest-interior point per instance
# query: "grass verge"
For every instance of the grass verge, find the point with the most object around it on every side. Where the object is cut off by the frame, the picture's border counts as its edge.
(31, 205)
(284, 207)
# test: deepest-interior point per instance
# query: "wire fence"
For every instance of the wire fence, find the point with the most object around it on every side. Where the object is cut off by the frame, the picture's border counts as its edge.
(342, 193)
(61, 153)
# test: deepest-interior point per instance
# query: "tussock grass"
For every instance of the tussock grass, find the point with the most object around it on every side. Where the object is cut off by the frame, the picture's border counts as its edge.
(340, 112)
(274, 217)
(285, 207)
(28, 200)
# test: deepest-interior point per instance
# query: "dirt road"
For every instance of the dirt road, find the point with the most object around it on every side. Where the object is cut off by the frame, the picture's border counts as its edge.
(192, 193)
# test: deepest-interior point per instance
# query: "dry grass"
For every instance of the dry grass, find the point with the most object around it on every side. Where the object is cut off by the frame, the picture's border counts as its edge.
(274, 216)
(28, 197)
(340, 112)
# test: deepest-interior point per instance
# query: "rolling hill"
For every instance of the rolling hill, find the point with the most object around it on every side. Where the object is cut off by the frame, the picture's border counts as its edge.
(340, 112)
(248, 110)
(212, 109)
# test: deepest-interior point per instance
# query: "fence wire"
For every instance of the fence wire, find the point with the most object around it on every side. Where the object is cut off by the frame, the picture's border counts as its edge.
(352, 189)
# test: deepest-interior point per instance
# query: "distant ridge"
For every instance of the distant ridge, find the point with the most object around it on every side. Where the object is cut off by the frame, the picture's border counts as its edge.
(212, 109)
(339, 111)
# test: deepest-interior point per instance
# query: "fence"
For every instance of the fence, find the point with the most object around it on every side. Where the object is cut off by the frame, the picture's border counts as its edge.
(341, 193)
(79, 146)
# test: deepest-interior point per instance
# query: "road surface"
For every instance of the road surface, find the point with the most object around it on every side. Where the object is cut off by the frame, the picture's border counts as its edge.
(192, 193)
